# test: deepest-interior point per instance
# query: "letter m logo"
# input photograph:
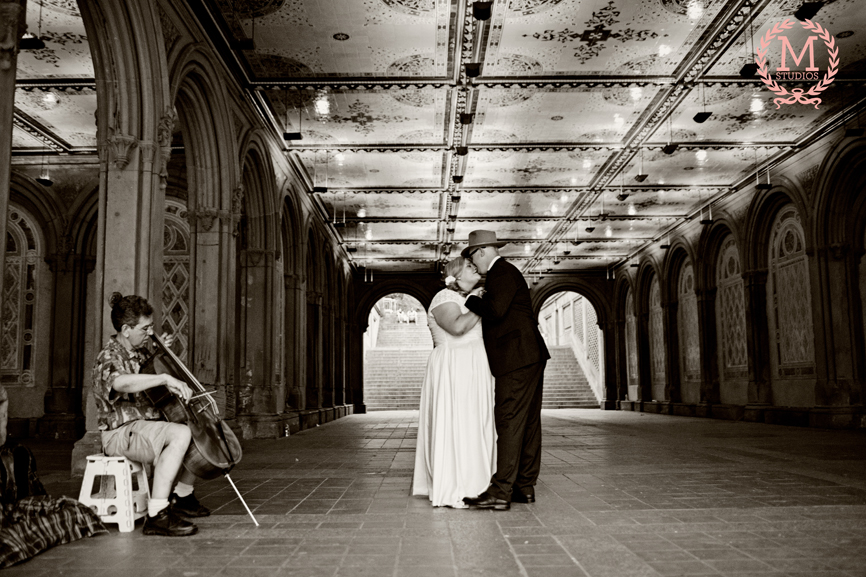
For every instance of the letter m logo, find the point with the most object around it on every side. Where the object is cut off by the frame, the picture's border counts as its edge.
(786, 47)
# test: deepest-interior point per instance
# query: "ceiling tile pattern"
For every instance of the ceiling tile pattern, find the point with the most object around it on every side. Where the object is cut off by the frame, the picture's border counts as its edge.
(545, 123)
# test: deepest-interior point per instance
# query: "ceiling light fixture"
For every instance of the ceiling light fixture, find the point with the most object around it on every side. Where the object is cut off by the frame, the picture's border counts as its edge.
(473, 69)
(671, 147)
(758, 184)
(466, 118)
(292, 135)
(43, 178)
(482, 10)
(457, 178)
(750, 68)
(808, 10)
(622, 193)
(320, 188)
(702, 117)
(462, 150)
(29, 41)
(641, 175)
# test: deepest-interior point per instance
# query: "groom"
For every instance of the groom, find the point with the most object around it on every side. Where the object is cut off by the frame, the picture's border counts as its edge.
(517, 356)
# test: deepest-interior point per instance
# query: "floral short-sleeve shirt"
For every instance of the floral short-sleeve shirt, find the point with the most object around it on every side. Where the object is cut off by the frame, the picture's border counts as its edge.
(114, 408)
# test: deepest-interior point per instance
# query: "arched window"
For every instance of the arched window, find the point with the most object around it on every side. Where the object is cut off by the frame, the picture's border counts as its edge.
(657, 341)
(690, 348)
(21, 304)
(731, 322)
(789, 298)
(175, 280)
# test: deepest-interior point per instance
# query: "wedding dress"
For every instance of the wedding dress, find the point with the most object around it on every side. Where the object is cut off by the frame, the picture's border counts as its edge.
(456, 451)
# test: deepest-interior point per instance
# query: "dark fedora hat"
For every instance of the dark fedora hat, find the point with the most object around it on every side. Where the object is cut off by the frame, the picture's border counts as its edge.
(481, 238)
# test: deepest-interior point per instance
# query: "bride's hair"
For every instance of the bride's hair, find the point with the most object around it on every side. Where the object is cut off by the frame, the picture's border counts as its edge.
(453, 268)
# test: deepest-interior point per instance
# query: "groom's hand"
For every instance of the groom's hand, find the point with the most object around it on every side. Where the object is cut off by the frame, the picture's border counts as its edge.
(478, 292)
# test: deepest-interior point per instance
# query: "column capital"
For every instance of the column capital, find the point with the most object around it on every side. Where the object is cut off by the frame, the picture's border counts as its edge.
(121, 146)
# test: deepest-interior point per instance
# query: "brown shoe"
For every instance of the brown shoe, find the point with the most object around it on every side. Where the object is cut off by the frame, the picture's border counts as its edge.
(168, 524)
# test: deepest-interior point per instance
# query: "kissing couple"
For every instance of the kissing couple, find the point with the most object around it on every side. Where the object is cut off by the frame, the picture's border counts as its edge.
(479, 428)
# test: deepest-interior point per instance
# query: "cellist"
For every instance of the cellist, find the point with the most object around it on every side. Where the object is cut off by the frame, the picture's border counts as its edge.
(133, 428)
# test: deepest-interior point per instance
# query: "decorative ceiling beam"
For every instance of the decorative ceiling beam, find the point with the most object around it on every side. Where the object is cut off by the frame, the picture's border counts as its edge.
(62, 84)
(35, 129)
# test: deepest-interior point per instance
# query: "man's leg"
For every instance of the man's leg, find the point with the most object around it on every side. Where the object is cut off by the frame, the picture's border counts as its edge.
(530, 455)
(514, 398)
(183, 500)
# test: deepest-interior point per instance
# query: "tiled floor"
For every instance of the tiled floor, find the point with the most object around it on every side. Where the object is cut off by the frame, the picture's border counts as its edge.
(620, 494)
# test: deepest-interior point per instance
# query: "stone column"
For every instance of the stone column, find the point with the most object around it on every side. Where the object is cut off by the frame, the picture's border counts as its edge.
(621, 361)
(710, 387)
(758, 343)
(63, 416)
(355, 371)
(12, 26)
(608, 402)
(644, 368)
(257, 400)
(293, 341)
(838, 395)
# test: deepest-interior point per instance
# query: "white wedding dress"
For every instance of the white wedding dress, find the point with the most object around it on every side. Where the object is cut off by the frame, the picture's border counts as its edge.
(456, 452)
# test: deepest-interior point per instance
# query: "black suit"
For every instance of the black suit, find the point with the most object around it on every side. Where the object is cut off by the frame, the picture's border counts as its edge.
(517, 355)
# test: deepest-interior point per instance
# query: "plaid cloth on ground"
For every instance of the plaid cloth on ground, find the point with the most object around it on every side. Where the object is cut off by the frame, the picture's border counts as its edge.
(32, 521)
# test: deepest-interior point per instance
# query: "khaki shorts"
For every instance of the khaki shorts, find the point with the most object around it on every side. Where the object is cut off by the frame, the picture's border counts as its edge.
(141, 441)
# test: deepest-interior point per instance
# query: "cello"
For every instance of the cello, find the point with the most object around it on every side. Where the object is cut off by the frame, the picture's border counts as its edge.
(214, 449)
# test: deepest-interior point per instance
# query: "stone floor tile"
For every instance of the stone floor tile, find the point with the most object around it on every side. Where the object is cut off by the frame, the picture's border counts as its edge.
(624, 494)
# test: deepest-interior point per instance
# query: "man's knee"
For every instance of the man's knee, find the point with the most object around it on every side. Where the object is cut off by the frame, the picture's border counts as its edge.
(179, 434)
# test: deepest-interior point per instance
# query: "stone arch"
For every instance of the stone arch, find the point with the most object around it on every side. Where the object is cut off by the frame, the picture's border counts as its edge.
(209, 141)
(44, 206)
(214, 204)
(679, 256)
(590, 327)
(126, 46)
(424, 292)
(839, 202)
(762, 211)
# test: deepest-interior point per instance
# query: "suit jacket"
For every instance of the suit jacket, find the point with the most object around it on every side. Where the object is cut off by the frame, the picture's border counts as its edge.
(511, 334)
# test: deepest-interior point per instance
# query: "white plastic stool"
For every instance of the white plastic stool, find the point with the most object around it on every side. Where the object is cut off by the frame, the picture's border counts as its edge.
(122, 491)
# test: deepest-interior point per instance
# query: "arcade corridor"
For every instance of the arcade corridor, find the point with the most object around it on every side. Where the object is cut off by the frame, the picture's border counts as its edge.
(620, 494)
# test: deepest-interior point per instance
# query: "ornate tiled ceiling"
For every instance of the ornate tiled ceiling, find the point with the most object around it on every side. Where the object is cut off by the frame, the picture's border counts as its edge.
(564, 104)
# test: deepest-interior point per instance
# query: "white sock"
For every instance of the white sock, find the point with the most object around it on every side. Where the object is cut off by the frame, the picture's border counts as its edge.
(154, 506)
(182, 489)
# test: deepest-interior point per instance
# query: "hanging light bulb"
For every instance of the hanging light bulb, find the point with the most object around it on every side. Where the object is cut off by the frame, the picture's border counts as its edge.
(608, 231)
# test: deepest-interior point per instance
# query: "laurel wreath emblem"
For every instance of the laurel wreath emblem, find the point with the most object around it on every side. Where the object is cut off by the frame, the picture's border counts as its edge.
(797, 95)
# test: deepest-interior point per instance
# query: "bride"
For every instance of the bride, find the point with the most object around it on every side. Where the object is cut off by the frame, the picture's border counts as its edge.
(456, 451)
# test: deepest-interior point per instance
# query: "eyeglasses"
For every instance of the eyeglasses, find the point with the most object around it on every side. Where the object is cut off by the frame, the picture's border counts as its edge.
(472, 253)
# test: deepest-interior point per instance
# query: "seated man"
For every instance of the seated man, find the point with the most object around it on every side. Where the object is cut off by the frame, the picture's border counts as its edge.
(133, 428)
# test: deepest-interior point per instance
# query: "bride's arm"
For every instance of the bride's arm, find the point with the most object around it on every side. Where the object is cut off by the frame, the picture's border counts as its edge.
(448, 317)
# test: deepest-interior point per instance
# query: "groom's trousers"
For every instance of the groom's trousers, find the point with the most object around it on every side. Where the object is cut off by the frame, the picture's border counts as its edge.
(517, 413)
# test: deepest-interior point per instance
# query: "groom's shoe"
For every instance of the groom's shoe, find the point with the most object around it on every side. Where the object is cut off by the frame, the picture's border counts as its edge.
(487, 501)
(526, 495)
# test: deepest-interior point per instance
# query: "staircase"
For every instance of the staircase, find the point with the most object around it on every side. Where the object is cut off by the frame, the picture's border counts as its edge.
(394, 370)
(565, 385)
